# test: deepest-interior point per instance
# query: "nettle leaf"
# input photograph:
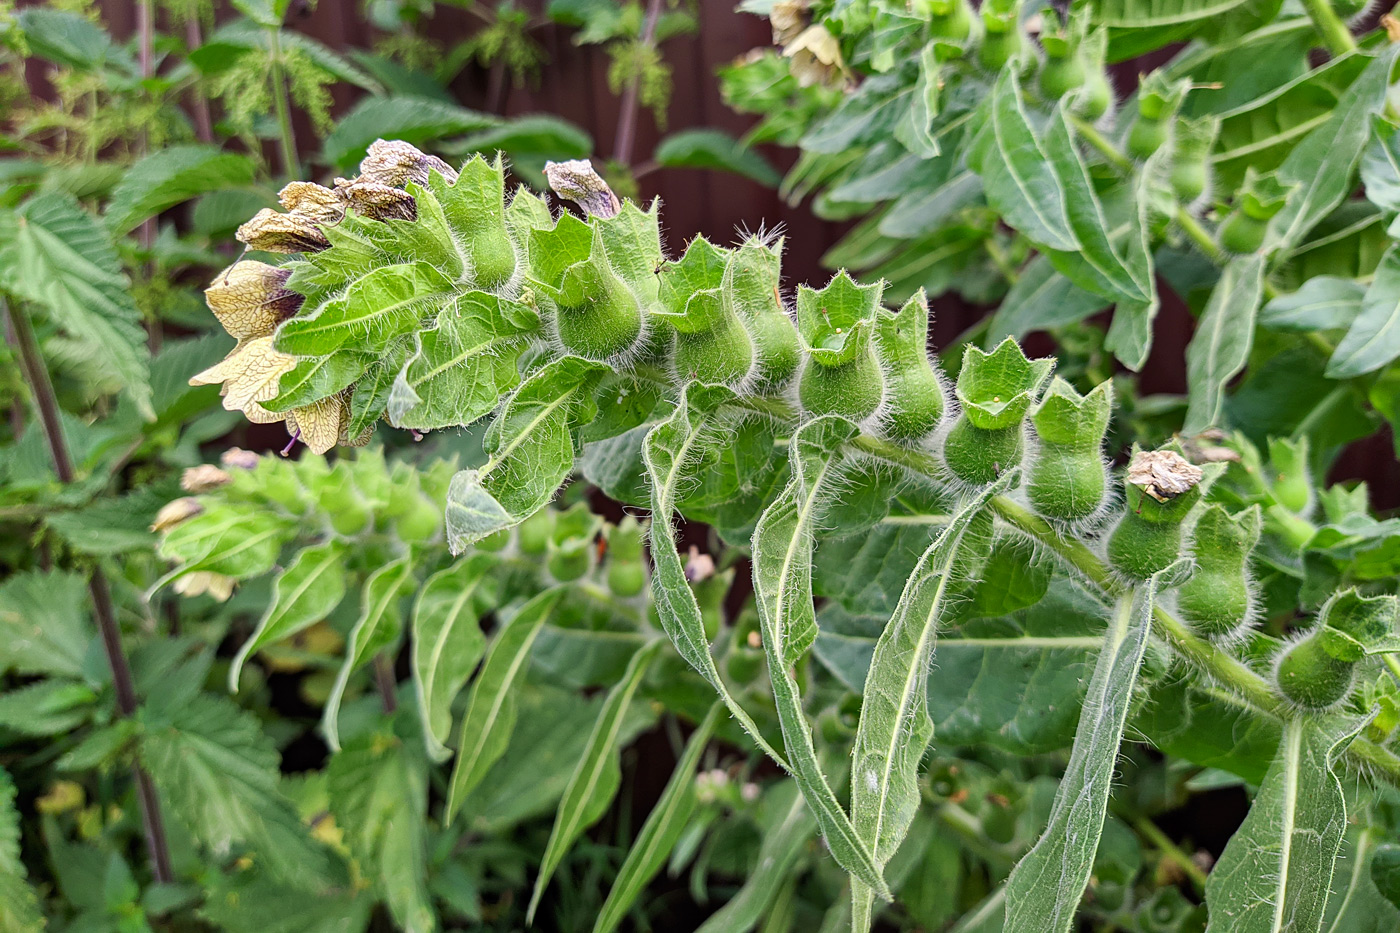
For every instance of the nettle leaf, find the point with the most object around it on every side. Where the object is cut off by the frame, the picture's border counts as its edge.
(378, 795)
(782, 574)
(1220, 347)
(55, 254)
(447, 644)
(379, 625)
(895, 727)
(671, 451)
(218, 773)
(1373, 339)
(491, 711)
(661, 831)
(384, 304)
(1323, 165)
(19, 904)
(595, 778)
(45, 627)
(462, 367)
(1018, 176)
(49, 707)
(1045, 887)
(1275, 873)
(168, 177)
(302, 595)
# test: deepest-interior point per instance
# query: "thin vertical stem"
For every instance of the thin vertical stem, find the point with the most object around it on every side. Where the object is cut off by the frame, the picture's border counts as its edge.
(290, 166)
(37, 375)
(203, 123)
(627, 119)
(1335, 34)
(385, 682)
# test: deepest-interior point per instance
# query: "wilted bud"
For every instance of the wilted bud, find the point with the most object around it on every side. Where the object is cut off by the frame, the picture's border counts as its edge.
(175, 512)
(250, 299)
(578, 181)
(217, 585)
(396, 163)
(1163, 474)
(239, 459)
(315, 201)
(282, 233)
(377, 201)
(203, 478)
(788, 18)
(816, 57)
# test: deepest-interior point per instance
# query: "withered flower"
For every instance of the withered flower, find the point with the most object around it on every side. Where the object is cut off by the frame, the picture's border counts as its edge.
(219, 586)
(1163, 474)
(788, 18)
(282, 233)
(377, 201)
(175, 512)
(250, 375)
(250, 299)
(396, 163)
(312, 200)
(203, 478)
(816, 57)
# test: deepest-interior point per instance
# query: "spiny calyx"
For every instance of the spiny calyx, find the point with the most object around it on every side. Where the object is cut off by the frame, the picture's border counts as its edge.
(995, 390)
(1317, 672)
(1162, 488)
(1067, 480)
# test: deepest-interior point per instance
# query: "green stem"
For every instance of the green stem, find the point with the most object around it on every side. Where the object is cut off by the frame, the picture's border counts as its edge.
(288, 140)
(1200, 236)
(1335, 34)
(1091, 135)
(1393, 663)
(1172, 852)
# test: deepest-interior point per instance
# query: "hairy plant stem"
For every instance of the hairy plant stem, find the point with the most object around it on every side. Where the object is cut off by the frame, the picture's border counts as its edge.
(50, 419)
(1172, 852)
(1335, 34)
(287, 137)
(627, 119)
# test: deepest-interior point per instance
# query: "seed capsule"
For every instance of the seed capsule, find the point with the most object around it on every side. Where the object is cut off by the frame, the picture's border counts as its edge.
(1067, 480)
(1161, 489)
(1216, 600)
(995, 390)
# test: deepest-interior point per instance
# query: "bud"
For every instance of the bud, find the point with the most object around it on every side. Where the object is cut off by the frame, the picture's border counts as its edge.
(175, 512)
(250, 299)
(238, 458)
(203, 478)
(396, 163)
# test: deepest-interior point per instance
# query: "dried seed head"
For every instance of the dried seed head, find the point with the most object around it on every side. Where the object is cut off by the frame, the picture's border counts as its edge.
(203, 478)
(1163, 474)
(397, 163)
(282, 233)
(250, 299)
(175, 512)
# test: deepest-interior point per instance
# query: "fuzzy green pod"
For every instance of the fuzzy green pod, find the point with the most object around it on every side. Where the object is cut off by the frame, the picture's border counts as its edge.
(1001, 33)
(914, 400)
(1290, 478)
(1216, 600)
(343, 503)
(570, 547)
(750, 290)
(1259, 199)
(1063, 70)
(1159, 98)
(534, 532)
(1190, 174)
(842, 375)
(711, 342)
(1161, 490)
(1067, 481)
(1318, 671)
(995, 391)
(626, 575)
(479, 214)
(596, 315)
(948, 19)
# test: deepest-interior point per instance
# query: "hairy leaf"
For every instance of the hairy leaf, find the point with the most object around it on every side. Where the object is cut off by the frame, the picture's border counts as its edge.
(1373, 339)
(447, 643)
(379, 625)
(302, 595)
(1220, 347)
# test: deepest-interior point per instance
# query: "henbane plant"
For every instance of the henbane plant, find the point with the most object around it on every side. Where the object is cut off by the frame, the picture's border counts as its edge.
(429, 299)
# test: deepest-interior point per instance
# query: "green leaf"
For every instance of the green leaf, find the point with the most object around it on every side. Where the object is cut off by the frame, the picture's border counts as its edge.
(168, 177)
(1045, 887)
(225, 540)
(302, 595)
(1157, 14)
(1323, 165)
(1325, 302)
(490, 714)
(47, 708)
(317, 377)
(379, 797)
(1373, 339)
(68, 39)
(1041, 299)
(462, 367)
(379, 625)
(596, 777)
(1275, 873)
(1130, 333)
(895, 728)
(45, 627)
(915, 131)
(414, 120)
(19, 905)
(447, 644)
(1380, 165)
(661, 831)
(56, 255)
(1220, 347)
(384, 304)
(714, 149)
(782, 576)
(217, 772)
(530, 451)
(1017, 174)
(671, 451)
(1364, 893)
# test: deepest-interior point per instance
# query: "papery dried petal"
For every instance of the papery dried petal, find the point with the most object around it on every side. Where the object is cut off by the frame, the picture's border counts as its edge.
(1163, 474)
(312, 200)
(319, 423)
(377, 201)
(203, 478)
(250, 374)
(396, 163)
(250, 300)
(282, 233)
(175, 512)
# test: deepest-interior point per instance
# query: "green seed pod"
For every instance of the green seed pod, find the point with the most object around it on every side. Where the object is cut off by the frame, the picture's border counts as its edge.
(1161, 489)
(995, 390)
(1147, 136)
(711, 342)
(535, 531)
(1216, 600)
(421, 523)
(914, 399)
(626, 575)
(343, 503)
(477, 209)
(596, 315)
(1001, 33)
(1067, 481)
(1158, 101)
(496, 541)
(842, 376)
(1260, 198)
(1318, 671)
(1190, 173)
(1290, 479)
(570, 545)
(1063, 71)
(948, 19)
(750, 290)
